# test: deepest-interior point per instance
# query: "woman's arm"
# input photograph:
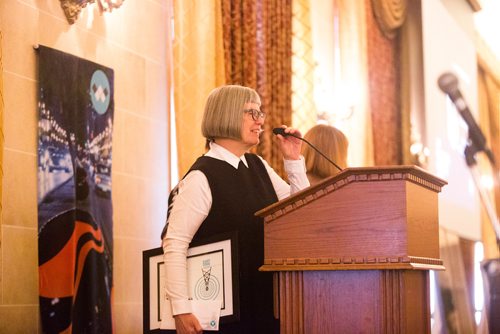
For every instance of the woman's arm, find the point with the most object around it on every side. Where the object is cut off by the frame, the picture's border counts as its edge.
(296, 171)
(189, 209)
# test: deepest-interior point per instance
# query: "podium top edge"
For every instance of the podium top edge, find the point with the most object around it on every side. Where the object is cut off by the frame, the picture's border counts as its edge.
(410, 173)
(411, 169)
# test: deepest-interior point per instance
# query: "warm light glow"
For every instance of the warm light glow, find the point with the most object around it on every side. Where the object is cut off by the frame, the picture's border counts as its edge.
(433, 293)
(478, 281)
(487, 182)
(487, 24)
(90, 15)
(416, 148)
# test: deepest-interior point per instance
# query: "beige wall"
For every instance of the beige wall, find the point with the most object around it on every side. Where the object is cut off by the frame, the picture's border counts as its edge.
(131, 41)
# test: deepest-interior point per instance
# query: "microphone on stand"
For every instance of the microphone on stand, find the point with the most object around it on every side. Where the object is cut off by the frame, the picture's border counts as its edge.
(281, 131)
(448, 83)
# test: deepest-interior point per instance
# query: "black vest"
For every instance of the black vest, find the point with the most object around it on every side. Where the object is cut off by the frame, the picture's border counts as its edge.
(236, 195)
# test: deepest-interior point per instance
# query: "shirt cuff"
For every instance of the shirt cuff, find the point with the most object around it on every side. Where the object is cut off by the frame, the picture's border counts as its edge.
(295, 166)
(181, 306)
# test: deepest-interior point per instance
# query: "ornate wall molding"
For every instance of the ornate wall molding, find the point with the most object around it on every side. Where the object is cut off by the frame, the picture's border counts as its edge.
(72, 8)
(475, 5)
(390, 15)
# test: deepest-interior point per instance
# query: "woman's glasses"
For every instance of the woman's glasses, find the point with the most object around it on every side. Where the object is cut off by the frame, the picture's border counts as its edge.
(256, 114)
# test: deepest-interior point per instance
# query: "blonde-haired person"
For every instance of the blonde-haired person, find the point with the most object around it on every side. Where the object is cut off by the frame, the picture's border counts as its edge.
(219, 195)
(331, 142)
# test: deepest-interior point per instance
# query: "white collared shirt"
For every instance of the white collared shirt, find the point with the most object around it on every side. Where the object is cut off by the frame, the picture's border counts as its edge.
(192, 205)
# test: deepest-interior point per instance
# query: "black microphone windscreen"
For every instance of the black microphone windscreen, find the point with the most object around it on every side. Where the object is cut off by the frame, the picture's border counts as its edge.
(280, 131)
(448, 82)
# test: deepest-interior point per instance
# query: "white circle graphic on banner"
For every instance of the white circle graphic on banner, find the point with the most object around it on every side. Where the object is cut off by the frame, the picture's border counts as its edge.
(100, 93)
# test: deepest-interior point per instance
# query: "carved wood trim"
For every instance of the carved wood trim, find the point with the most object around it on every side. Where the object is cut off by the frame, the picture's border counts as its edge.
(392, 286)
(405, 299)
(291, 302)
(353, 263)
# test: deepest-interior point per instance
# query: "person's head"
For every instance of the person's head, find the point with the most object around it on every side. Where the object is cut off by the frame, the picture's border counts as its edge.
(228, 114)
(330, 141)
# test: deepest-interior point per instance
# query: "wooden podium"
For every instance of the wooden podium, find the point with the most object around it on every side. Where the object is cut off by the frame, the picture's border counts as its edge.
(353, 253)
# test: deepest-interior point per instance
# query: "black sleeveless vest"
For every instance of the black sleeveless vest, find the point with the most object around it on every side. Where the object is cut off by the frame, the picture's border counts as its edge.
(236, 195)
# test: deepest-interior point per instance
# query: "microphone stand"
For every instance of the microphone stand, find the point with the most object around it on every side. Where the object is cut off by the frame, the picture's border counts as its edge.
(489, 268)
(470, 159)
(321, 153)
(312, 146)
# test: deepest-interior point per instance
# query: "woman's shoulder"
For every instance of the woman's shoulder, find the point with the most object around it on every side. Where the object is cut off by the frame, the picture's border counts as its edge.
(254, 158)
(207, 164)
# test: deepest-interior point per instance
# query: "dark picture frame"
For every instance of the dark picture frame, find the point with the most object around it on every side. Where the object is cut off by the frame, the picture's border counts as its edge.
(152, 274)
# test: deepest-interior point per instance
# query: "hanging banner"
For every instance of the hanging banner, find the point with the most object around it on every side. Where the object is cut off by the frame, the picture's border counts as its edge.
(75, 227)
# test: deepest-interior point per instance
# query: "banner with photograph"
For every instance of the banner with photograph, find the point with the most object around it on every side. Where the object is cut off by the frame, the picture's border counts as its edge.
(75, 227)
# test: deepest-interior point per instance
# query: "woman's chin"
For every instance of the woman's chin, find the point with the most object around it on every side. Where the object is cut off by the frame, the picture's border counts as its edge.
(253, 142)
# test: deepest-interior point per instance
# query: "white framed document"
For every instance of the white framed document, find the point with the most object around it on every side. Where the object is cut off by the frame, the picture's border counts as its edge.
(212, 277)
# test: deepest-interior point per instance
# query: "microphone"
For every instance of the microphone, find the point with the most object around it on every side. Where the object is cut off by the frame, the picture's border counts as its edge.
(281, 131)
(448, 83)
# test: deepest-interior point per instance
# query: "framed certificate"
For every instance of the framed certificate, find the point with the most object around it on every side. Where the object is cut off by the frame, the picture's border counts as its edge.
(212, 275)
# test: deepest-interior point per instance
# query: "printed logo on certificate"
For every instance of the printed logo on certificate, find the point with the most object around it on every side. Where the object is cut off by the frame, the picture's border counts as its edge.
(206, 274)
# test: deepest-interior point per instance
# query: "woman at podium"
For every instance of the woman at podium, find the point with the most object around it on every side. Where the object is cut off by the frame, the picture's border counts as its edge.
(220, 194)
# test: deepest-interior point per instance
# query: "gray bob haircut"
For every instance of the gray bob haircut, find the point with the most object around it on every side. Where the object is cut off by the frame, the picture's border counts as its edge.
(223, 114)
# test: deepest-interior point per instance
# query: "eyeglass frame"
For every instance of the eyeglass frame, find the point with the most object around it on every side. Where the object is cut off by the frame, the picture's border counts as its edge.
(256, 114)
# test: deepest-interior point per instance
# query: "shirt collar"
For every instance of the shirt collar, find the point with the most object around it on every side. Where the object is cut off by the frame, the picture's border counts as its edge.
(218, 152)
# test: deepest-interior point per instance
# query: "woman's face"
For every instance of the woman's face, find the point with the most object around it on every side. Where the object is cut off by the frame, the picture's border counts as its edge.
(251, 129)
